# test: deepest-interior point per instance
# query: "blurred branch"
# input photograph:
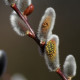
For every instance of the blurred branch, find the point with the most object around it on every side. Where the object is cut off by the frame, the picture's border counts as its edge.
(59, 72)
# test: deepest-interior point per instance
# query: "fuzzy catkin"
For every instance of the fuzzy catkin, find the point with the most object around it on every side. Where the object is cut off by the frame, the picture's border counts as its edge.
(18, 24)
(69, 67)
(52, 60)
(46, 24)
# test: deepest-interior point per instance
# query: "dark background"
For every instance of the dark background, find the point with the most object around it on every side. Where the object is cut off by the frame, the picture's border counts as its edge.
(22, 52)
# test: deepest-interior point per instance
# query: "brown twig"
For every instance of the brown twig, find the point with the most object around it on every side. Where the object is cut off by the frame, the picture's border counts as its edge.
(59, 72)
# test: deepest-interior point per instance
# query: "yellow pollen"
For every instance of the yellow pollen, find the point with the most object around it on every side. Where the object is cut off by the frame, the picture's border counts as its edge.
(46, 24)
(51, 49)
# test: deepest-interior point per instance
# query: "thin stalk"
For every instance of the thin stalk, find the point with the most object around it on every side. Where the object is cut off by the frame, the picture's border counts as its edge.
(35, 38)
(59, 72)
(22, 17)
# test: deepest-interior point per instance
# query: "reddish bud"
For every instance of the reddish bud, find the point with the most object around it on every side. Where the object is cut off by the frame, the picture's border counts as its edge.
(42, 43)
(28, 10)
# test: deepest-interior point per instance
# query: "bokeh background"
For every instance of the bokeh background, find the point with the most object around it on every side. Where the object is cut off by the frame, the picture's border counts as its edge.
(22, 52)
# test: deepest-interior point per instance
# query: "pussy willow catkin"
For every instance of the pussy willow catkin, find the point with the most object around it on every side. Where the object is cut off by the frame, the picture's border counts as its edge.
(51, 49)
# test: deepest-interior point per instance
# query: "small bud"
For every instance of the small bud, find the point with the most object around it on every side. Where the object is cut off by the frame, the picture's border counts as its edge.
(3, 62)
(69, 67)
(51, 54)
(9, 2)
(46, 24)
(18, 24)
(28, 10)
(23, 4)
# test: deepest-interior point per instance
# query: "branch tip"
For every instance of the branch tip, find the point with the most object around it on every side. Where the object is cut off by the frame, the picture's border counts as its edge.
(61, 74)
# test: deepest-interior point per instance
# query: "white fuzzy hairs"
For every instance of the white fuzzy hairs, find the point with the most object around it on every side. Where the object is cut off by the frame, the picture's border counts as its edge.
(23, 4)
(15, 20)
(9, 2)
(69, 66)
(53, 65)
(51, 13)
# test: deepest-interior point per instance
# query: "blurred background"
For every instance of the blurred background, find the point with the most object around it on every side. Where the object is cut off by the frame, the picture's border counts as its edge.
(22, 52)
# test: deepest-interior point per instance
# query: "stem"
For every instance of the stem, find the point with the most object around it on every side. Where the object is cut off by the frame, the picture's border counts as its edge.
(59, 72)
(42, 46)
(22, 17)
(29, 32)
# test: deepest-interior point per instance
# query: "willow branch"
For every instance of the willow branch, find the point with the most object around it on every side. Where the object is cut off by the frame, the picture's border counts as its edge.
(14, 7)
(35, 38)
(59, 72)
